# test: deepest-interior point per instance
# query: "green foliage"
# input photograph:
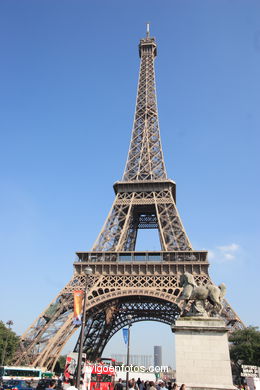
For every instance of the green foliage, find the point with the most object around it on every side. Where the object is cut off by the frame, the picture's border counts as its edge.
(62, 361)
(8, 344)
(245, 346)
(60, 365)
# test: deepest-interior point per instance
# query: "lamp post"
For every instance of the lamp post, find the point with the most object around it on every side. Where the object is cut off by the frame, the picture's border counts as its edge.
(87, 271)
(129, 318)
(9, 324)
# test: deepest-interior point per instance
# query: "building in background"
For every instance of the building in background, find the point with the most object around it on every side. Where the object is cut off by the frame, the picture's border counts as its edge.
(157, 355)
(136, 360)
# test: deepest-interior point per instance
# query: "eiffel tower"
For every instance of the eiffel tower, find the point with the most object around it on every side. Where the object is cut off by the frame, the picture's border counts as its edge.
(143, 284)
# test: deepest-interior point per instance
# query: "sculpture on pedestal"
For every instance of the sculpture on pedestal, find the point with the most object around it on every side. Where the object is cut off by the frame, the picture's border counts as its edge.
(201, 295)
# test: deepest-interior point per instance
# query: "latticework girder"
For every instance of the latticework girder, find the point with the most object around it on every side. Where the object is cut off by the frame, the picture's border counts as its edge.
(130, 212)
(44, 339)
(145, 157)
(109, 299)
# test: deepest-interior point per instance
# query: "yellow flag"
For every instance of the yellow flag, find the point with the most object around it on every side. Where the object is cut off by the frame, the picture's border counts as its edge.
(78, 299)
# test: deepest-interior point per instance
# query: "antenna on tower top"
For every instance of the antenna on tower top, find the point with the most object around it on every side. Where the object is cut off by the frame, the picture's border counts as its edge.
(147, 30)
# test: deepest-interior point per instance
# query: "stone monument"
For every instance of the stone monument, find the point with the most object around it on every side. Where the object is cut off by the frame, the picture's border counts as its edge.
(202, 353)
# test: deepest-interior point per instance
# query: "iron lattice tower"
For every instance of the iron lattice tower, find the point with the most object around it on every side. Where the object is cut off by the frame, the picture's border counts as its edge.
(145, 284)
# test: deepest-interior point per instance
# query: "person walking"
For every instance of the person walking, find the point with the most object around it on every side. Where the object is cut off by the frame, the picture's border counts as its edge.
(152, 385)
(52, 384)
(157, 385)
(59, 385)
(119, 385)
(72, 385)
(132, 385)
(147, 385)
(162, 386)
(141, 385)
(183, 387)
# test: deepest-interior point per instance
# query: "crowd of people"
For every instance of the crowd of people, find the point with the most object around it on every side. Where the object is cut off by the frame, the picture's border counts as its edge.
(132, 385)
(149, 385)
(56, 384)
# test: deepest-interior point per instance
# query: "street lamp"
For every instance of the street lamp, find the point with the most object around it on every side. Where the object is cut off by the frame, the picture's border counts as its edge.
(87, 271)
(129, 318)
(9, 324)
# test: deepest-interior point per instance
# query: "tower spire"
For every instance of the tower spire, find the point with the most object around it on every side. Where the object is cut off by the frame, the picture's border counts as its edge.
(147, 30)
(145, 158)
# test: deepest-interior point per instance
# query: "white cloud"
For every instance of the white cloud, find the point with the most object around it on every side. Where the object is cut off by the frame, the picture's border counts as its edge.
(229, 248)
(224, 253)
(228, 256)
(211, 255)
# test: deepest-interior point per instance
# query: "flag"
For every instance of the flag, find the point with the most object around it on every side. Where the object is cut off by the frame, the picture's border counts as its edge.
(125, 335)
(78, 299)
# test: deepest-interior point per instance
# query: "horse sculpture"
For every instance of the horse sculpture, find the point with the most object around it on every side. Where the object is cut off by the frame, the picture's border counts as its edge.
(199, 294)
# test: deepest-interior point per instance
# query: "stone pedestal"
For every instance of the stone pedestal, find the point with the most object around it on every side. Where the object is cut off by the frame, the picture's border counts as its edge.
(202, 354)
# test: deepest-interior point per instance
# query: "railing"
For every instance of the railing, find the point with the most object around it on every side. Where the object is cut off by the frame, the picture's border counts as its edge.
(173, 256)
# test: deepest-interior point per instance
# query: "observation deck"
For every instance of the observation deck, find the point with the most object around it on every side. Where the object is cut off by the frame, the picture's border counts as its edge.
(143, 262)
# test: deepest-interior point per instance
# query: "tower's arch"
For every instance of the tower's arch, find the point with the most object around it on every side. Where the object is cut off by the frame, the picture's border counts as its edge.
(108, 317)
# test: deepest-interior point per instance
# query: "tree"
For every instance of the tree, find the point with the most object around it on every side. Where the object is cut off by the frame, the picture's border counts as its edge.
(60, 365)
(8, 343)
(244, 349)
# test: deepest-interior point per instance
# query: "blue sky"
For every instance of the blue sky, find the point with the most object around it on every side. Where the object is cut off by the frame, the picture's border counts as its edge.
(68, 76)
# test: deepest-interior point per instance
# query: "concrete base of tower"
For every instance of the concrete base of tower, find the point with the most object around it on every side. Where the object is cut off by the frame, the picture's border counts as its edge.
(202, 354)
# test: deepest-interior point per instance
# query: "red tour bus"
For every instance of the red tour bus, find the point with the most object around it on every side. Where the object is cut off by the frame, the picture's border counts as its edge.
(95, 376)
(98, 376)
